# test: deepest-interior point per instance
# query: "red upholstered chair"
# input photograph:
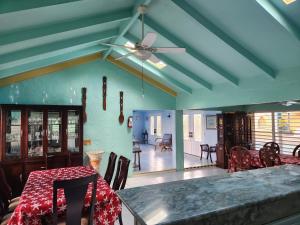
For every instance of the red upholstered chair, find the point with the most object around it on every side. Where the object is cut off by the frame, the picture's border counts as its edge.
(121, 177)
(110, 167)
(273, 145)
(240, 158)
(269, 157)
(296, 151)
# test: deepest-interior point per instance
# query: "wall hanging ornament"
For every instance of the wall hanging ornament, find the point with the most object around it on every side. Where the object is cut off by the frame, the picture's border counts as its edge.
(129, 122)
(104, 88)
(121, 117)
(83, 101)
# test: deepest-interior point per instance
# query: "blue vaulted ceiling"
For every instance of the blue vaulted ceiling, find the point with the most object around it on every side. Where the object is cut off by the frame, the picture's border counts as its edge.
(226, 41)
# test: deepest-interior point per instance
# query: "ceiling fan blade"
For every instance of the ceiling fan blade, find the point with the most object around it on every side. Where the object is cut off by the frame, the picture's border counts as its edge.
(125, 56)
(169, 50)
(120, 46)
(149, 39)
(154, 59)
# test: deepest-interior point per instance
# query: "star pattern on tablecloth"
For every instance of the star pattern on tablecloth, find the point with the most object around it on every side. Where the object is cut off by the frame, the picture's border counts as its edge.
(36, 199)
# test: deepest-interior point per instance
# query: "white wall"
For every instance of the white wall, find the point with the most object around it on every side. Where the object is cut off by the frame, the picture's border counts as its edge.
(138, 124)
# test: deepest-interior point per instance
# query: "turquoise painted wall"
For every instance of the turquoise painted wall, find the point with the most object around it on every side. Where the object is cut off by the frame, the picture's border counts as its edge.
(250, 91)
(102, 127)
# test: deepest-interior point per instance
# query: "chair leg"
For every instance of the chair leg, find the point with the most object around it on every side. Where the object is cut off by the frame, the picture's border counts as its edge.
(207, 154)
(210, 156)
(120, 219)
(201, 154)
(134, 163)
(139, 158)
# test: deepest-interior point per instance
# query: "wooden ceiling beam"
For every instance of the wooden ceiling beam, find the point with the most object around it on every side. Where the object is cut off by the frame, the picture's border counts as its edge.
(40, 32)
(280, 18)
(190, 50)
(53, 49)
(9, 6)
(187, 8)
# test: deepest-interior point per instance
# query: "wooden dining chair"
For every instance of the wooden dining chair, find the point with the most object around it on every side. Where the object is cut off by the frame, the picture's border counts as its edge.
(75, 191)
(296, 151)
(273, 145)
(240, 158)
(121, 178)
(269, 157)
(9, 202)
(110, 167)
(57, 160)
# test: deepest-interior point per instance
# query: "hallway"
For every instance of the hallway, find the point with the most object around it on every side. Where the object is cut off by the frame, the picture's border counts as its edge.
(152, 161)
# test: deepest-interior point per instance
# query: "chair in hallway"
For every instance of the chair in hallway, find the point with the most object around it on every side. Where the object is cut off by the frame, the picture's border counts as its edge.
(110, 167)
(269, 157)
(208, 149)
(165, 143)
(121, 178)
(273, 145)
(296, 151)
(136, 150)
(75, 191)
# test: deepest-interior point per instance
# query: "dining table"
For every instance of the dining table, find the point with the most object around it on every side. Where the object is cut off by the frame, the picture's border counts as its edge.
(36, 198)
(285, 159)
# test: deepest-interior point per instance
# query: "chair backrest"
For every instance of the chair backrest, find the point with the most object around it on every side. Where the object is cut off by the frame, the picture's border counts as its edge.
(75, 191)
(241, 158)
(5, 189)
(273, 145)
(167, 139)
(121, 174)
(110, 167)
(296, 151)
(204, 147)
(57, 160)
(268, 157)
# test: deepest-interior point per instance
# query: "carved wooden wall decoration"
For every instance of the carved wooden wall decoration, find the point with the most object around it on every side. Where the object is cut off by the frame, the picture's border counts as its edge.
(83, 100)
(104, 88)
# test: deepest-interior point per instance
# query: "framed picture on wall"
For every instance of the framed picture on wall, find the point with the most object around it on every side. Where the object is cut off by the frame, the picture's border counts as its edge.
(211, 122)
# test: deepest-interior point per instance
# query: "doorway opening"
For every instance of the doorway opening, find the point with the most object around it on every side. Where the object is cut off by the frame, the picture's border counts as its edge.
(200, 138)
(153, 138)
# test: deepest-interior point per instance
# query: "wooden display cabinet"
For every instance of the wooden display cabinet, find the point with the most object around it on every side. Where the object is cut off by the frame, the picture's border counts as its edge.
(29, 132)
(233, 129)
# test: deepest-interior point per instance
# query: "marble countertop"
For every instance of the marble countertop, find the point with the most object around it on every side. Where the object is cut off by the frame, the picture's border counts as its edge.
(252, 197)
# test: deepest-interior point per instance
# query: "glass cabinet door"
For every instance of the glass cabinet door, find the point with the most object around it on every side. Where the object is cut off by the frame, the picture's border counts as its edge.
(13, 134)
(73, 131)
(54, 132)
(35, 133)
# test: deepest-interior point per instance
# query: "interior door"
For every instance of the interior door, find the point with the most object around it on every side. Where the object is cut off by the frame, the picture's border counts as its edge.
(192, 126)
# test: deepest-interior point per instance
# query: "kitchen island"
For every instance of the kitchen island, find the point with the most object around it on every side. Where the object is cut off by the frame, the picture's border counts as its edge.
(255, 197)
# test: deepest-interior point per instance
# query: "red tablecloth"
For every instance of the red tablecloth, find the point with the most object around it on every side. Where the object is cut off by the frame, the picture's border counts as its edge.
(36, 199)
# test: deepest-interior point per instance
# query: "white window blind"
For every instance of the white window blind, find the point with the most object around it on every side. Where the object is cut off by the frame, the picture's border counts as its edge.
(287, 130)
(280, 127)
(263, 129)
(198, 127)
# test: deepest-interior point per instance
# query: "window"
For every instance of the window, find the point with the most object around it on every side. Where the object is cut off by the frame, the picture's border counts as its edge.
(158, 126)
(280, 127)
(197, 127)
(262, 131)
(186, 126)
(152, 125)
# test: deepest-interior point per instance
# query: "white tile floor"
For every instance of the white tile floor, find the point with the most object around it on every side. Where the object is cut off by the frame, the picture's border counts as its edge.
(163, 177)
(152, 161)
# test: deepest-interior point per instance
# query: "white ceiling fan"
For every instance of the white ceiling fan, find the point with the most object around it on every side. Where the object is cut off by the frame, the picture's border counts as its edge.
(289, 103)
(144, 49)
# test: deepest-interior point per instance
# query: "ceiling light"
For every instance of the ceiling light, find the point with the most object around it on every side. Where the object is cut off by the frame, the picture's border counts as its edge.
(160, 65)
(287, 2)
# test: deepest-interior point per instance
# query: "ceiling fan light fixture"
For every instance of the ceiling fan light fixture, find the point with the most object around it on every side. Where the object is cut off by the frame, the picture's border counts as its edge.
(160, 65)
(287, 2)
